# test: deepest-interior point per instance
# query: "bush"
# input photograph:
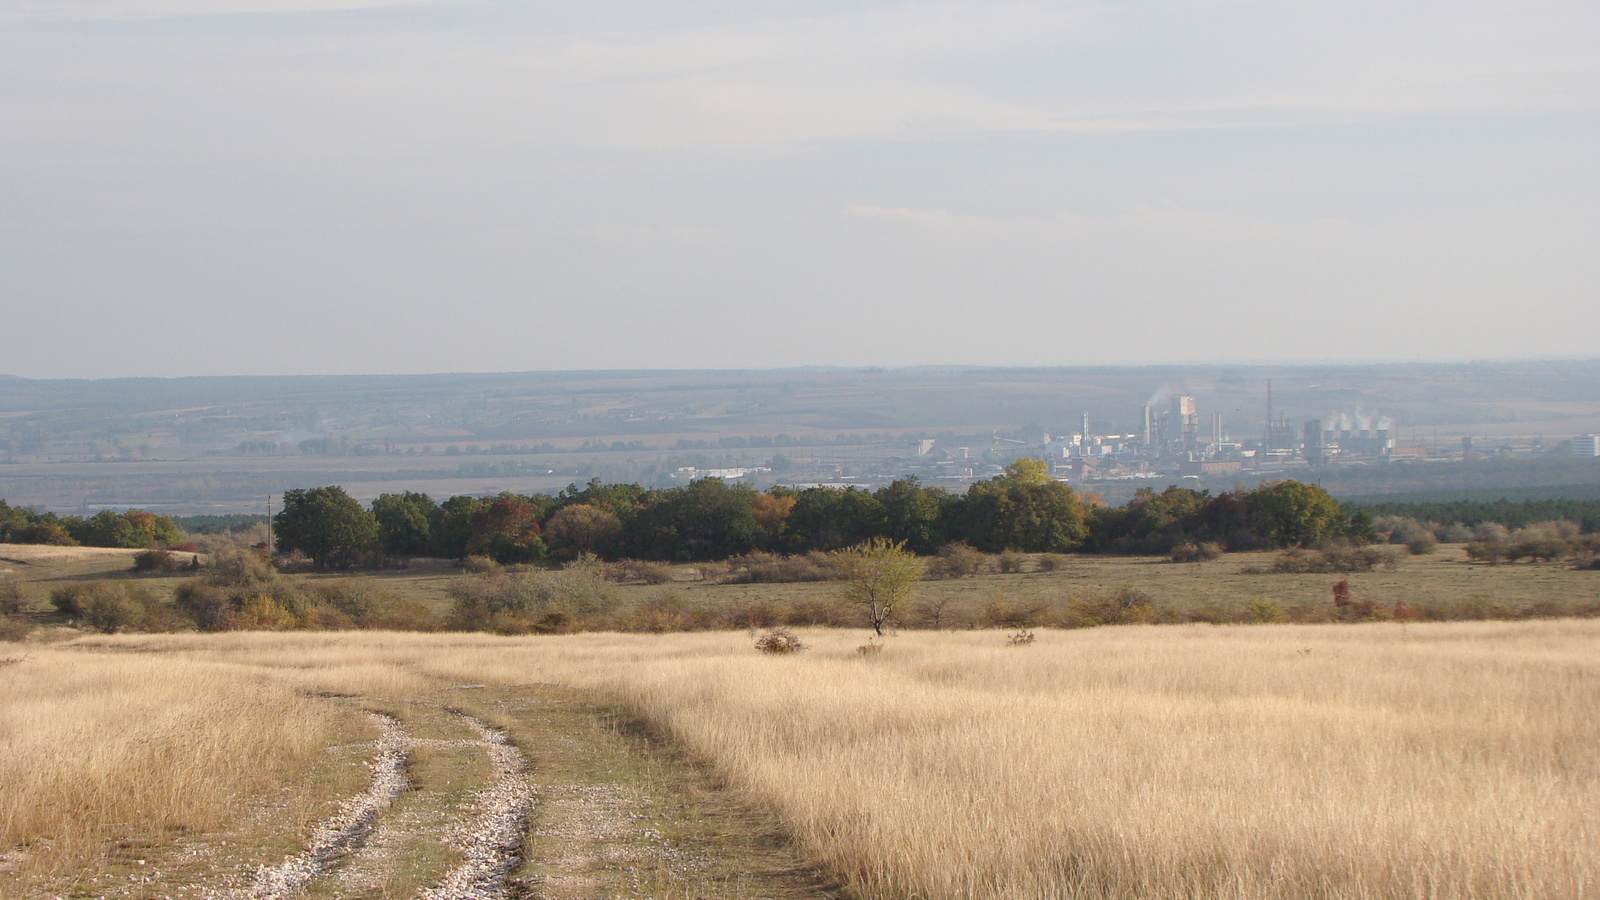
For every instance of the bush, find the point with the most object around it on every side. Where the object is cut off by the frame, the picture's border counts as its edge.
(110, 608)
(1009, 562)
(155, 561)
(936, 612)
(665, 612)
(482, 565)
(13, 630)
(639, 571)
(1491, 533)
(1052, 562)
(957, 560)
(361, 603)
(1332, 559)
(779, 642)
(1422, 543)
(771, 568)
(1125, 606)
(1418, 538)
(816, 611)
(760, 614)
(1002, 613)
(1348, 609)
(240, 568)
(1190, 552)
(1264, 611)
(579, 593)
(10, 597)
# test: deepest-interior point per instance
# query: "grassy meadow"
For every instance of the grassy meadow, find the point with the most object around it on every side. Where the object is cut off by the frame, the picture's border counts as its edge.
(1380, 760)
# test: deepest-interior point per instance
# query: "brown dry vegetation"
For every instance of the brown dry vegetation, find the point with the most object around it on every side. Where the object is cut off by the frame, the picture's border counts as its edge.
(1050, 590)
(1377, 760)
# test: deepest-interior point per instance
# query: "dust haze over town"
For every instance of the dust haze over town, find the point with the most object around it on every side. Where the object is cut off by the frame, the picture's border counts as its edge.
(680, 199)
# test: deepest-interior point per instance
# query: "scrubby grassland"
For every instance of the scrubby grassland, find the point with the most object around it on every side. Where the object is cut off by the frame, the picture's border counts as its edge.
(1355, 761)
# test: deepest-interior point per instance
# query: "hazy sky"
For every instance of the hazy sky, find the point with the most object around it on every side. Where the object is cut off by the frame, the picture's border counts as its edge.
(208, 187)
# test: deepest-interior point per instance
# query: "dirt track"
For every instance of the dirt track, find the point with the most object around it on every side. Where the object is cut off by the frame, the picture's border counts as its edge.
(469, 794)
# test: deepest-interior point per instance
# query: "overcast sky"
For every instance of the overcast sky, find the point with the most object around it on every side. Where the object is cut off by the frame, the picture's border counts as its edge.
(311, 186)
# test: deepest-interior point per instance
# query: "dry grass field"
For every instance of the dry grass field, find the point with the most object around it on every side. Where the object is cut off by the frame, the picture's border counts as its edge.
(1287, 761)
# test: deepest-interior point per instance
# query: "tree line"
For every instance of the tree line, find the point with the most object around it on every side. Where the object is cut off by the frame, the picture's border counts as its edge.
(1512, 514)
(1023, 509)
(132, 529)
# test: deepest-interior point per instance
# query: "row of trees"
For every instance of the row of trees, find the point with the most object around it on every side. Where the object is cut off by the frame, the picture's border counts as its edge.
(133, 529)
(1023, 509)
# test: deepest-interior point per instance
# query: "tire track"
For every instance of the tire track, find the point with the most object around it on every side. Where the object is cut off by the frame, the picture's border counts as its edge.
(344, 831)
(490, 843)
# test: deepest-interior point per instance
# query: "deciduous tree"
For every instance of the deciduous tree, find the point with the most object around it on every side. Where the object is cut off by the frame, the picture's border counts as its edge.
(879, 576)
(327, 525)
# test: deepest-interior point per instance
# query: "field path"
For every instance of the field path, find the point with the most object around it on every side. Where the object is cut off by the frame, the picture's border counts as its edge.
(345, 831)
(489, 844)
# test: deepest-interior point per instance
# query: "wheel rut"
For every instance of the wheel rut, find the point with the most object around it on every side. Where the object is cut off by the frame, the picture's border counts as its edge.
(490, 843)
(346, 830)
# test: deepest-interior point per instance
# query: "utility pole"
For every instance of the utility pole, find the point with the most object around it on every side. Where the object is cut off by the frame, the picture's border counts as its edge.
(269, 524)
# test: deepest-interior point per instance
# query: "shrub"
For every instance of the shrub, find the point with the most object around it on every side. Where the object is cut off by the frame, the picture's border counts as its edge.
(1332, 559)
(482, 565)
(665, 612)
(934, 612)
(359, 602)
(1009, 562)
(1422, 543)
(1454, 533)
(779, 642)
(1418, 538)
(1002, 613)
(103, 607)
(772, 568)
(240, 568)
(1486, 551)
(1348, 609)
(579, 592)
(1264, 611)
(10, 597)
(639, 571)
(957, 560)
(1124, 606)
(1052, 562)
(1491, 533)
(760, 614)
(261, 612)
(14, 630)
(203, 604)
(156, 561)
(816, 611)
(1189, 551)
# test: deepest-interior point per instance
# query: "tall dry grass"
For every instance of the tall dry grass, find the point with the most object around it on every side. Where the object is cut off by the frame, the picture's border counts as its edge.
(97, 747)
(1284, 762)
(1371, 761)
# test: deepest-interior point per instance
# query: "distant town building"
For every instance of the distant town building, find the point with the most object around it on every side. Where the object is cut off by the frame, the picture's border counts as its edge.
(1586, 446)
